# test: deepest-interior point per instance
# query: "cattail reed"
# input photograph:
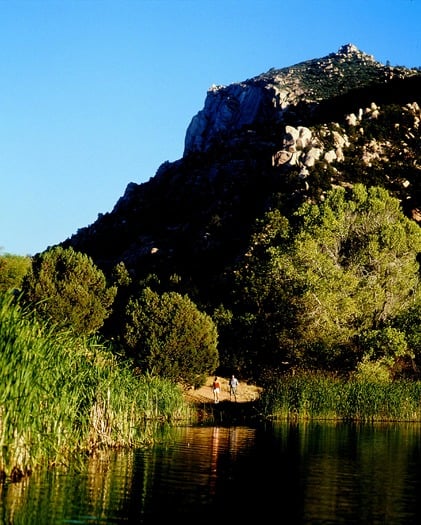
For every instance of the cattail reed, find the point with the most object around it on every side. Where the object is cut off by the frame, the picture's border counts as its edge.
(328, 397)
(61, 395)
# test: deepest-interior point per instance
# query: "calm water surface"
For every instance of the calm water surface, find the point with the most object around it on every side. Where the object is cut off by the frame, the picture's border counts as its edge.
(279, 473)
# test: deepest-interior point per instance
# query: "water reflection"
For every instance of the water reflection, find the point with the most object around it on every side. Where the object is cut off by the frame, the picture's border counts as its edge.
(295, 474)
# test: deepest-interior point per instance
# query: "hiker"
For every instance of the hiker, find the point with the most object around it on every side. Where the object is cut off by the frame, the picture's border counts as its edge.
(233, 382)
(216, 386)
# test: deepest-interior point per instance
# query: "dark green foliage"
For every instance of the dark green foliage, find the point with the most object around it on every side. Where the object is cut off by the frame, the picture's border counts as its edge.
(409, 322)
(166, 335)
(66, 288)
(348, 267)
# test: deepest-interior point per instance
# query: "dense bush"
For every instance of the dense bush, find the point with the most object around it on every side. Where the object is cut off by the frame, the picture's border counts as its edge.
(307, 291)
(168, 336)
(66, 288)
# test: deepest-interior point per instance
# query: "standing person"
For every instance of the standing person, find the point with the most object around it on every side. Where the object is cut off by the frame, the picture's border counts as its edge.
(233, 386)
(216, 386)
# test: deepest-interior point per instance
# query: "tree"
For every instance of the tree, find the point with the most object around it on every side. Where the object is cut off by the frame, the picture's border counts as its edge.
(355, 258)
(382, 351)
(350, 265)
(66, 287)
(13, 268)
(249, 338)
(409, 322)
(166, 335)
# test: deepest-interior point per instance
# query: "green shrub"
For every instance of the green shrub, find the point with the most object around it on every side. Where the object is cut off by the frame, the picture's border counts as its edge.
(168, 336)
(66, 288)
(13, 268)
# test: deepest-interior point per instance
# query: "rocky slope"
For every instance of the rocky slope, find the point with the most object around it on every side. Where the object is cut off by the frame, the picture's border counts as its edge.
(278, 139)
(276, 95)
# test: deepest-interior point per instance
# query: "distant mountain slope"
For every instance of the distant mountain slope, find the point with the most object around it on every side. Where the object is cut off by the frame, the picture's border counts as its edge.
(274, 140)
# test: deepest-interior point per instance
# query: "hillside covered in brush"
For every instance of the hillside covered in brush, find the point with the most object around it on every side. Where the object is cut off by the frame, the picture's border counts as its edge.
(260, 152)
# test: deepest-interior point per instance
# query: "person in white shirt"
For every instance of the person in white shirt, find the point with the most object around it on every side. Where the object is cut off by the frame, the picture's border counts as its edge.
(233, 383)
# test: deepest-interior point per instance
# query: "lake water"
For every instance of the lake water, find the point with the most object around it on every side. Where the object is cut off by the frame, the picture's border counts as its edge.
(304, 473)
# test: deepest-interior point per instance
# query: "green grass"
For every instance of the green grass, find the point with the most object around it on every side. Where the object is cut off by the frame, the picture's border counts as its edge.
(62, 395)
(326, 397)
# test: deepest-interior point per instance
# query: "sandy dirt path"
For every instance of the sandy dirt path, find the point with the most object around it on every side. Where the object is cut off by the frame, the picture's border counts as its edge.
(204, 394)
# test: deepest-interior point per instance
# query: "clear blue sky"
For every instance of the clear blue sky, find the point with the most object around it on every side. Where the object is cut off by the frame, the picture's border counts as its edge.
(95, 94)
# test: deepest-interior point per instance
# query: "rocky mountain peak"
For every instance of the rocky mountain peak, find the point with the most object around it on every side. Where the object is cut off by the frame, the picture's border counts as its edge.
(270, 95)
(349, 50)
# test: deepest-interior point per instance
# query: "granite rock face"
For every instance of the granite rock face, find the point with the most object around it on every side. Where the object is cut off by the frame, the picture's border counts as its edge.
(226, 108)
(266, 97)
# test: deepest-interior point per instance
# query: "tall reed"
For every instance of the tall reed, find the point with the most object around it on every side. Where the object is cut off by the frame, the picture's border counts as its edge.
(322, 396)
(61, 395)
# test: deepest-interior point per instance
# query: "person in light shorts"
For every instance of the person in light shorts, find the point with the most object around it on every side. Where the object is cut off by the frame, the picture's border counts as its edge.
(216, 388)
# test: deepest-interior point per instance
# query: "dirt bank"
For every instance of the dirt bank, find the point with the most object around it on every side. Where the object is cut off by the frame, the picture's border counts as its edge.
(245, 393)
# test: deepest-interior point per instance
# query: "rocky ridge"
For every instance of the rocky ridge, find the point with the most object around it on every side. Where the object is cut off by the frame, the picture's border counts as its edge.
(276, 140)
(270, 95)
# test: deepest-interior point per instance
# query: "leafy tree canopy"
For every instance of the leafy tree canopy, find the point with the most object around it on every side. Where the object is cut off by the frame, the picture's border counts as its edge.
(66, 287)
(349, 265)
(168, 336)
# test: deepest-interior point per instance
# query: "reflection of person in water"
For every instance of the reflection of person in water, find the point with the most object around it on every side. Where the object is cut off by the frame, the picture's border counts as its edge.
(233, 442)
(216, 387)
(214, 460)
